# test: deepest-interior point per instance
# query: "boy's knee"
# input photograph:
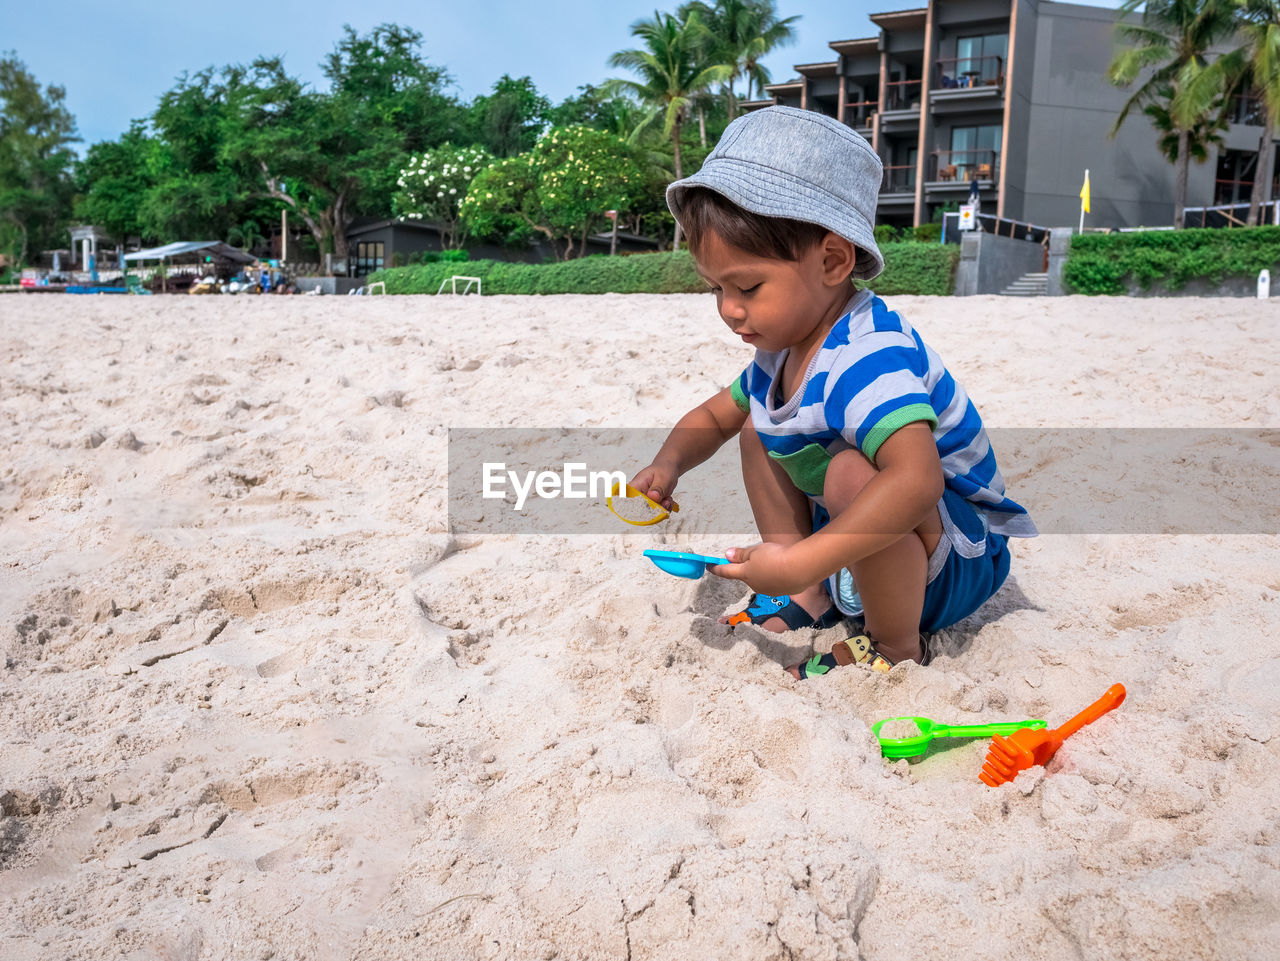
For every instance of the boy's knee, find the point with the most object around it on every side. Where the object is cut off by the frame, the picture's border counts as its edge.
(848, 472)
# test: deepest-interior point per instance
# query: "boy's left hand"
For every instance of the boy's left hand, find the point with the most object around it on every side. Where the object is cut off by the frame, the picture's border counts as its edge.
(766, 569)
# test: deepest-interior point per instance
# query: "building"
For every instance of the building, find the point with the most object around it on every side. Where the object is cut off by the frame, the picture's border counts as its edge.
(1014, 94)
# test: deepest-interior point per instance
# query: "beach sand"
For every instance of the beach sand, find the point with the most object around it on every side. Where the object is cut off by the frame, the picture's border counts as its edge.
(257, 702)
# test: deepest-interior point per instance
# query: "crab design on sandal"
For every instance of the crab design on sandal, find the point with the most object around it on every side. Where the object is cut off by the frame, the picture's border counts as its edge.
(765, 606)
(856, 650)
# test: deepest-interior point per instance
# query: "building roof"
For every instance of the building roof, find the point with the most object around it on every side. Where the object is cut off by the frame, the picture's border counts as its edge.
(796, 83)
(179, 247)
(367, 226)
(862, 45)
(900, 19)
(827, 69)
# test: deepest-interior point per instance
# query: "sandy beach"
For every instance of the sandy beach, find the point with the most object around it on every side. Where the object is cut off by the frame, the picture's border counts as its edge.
(257, 702)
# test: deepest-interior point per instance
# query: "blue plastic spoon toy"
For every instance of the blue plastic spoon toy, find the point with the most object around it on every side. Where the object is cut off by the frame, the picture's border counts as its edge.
(691, 566)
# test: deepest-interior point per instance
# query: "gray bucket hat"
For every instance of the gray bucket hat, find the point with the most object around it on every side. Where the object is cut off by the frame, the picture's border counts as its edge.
(784, 162)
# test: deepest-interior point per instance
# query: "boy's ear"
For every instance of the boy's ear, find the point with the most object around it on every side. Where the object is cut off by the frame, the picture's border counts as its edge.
(839, 257)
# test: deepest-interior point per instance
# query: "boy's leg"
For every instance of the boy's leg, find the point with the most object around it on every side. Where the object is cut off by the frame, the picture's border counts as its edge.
(890, 582)
(781, 513)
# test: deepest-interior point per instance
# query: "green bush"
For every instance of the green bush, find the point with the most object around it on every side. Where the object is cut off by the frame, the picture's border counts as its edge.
(917, 268)
(658, 273)
(928, 233)
(910, 268)
(1108, 263)
(885, 234)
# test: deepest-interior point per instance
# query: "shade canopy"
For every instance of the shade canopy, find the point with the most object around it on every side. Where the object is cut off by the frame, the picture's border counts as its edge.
(179, 247)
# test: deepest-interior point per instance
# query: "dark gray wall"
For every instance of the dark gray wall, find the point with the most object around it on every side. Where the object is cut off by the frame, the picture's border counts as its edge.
(1018, 96)
(1073, 109)
(989, 264)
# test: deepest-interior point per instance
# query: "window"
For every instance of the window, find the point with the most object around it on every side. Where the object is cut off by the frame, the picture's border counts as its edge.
(982, 57)
(369, 257)
(973, 146)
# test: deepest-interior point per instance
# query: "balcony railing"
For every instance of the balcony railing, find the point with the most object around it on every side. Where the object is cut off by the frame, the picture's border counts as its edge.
(966, 72)
(901, 94)
(898, 179)
(1239, 191)
(858, 113)
(961, 166)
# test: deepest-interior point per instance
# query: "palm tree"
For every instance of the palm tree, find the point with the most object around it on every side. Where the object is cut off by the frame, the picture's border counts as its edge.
(1171, 41)
(672, 74)
(1252, 69)
(1260, 28)
(671, 69)
(740, 33)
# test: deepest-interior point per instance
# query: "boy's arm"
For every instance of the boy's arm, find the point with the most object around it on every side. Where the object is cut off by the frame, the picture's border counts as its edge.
(696, 436)
(908, 484)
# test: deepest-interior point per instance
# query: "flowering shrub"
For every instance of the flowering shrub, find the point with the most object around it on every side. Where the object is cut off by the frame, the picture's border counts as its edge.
(432, 187)
(561, 189)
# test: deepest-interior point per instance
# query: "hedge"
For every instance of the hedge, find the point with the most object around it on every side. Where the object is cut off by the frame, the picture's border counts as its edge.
(1109, 263)
(911, 268)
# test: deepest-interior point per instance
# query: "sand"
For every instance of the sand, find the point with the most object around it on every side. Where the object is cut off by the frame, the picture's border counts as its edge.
(257, 702)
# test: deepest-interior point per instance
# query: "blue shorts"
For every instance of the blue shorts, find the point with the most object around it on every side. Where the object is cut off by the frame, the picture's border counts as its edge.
(965, 569)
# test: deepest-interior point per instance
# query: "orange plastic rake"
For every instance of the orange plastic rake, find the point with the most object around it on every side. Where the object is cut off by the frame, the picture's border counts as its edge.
(1027, 748)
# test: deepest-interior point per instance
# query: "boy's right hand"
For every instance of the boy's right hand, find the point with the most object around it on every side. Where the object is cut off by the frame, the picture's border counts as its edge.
(658, 483)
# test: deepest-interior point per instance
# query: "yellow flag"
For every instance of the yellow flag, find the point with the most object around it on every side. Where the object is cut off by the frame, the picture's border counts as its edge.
(1084, 193)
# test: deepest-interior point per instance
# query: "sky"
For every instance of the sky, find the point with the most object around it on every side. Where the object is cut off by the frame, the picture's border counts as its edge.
(115, 59)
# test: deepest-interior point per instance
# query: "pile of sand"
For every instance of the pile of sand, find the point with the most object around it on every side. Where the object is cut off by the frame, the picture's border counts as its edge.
(256, 701)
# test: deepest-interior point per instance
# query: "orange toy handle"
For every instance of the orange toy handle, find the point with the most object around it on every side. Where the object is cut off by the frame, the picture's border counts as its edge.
(1109, 701)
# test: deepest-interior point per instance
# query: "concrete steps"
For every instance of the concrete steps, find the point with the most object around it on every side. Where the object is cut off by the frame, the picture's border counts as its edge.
(1028, 285)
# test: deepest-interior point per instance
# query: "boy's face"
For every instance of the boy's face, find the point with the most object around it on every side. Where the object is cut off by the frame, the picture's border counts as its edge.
(773, 304)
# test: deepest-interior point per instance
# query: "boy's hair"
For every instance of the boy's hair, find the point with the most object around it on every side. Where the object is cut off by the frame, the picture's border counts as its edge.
(704, 211)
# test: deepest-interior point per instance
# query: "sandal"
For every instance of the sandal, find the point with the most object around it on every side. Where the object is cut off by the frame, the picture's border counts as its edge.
(764, 606)
(856, 650)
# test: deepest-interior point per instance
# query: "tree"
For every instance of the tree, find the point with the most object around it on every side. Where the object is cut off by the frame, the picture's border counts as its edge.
(1171, 42)
(739, 33)
(1206, 132)
(560, 189)
(114, 178)
(328, 156)
(509, 120)
(672, 72)
(201, 187)
(596, 107)
(433, 185)
(1253, 68)
(36, 131)
(1261, 29)
(671, 69)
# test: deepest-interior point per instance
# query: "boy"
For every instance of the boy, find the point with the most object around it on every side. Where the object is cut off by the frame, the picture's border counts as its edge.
(873, 484)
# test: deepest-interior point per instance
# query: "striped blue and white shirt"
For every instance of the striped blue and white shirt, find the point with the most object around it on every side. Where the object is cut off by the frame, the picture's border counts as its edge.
(871, 376)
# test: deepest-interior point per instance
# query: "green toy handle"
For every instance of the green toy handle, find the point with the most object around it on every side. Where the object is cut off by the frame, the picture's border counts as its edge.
(984, 730)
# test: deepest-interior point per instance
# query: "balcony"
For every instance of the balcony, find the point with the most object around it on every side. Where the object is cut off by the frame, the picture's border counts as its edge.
(860, 115)
(900, 180)
(966, 83)
(953, 169)
(967, 73)
(902, 95)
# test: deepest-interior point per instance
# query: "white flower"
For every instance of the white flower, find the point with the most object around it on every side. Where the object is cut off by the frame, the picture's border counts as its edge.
(440, 194)
(453, 190)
